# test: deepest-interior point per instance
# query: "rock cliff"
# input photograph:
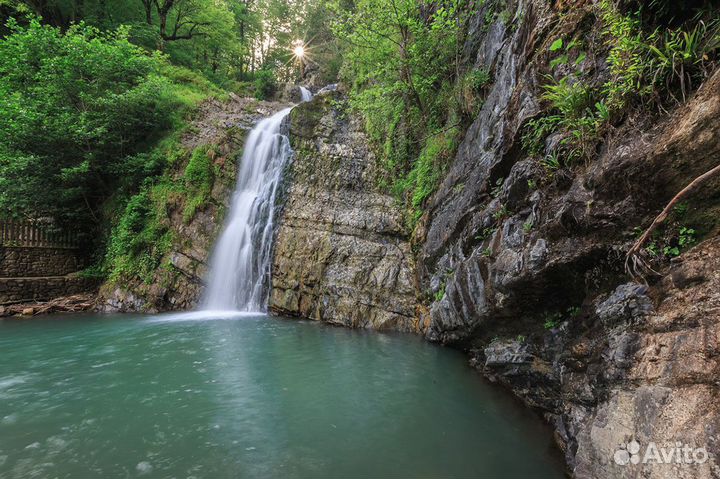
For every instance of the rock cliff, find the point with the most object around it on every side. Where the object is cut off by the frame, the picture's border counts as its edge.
(527, 268)
(341, 254)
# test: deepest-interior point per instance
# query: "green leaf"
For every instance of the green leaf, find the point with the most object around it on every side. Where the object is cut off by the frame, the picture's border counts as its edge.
(561, 60)
(556, 45)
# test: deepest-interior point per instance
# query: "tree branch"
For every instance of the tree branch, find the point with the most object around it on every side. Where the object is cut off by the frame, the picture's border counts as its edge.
(633, 261)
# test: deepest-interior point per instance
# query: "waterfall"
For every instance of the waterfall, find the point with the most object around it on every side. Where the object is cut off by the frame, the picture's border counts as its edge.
(240, 264)
(305, 94)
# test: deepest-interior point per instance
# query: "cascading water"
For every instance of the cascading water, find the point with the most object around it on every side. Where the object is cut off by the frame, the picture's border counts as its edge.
(305, 94)
(240, 266)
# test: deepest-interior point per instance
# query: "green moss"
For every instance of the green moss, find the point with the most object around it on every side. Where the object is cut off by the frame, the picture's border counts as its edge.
(199, 178)
(141, 237)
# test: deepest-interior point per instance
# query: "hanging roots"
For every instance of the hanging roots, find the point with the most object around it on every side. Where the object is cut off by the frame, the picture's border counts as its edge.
(635, 264)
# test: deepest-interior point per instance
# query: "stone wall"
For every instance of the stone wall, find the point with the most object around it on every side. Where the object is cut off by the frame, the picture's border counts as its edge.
(38, 261)
(17, 290)
(33, 273)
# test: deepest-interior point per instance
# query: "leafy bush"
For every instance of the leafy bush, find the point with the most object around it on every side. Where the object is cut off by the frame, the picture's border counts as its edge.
(663, 61)
(265, 84)
(570, 98)
(140, 239)
(199, 180)
(75, 105)
(427, 170)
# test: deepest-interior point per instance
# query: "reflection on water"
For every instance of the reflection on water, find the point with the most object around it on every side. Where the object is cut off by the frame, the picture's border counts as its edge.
(249, 396)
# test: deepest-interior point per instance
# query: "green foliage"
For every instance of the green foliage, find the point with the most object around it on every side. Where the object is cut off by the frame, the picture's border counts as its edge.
(472, 88)
(485, 233)
(427, 170)
(627, 57)
(440, 293)
(497, 188)
(642, 65)
(570, 98)
(682, 55)
(76, 104)
(565, 54)
(400, 60)
(662, 61)
(199, 179)
(672, 242)
(572, 101)
(551, 162)
(553, 320)
(140, 238)
(501, 213)
(536, 131)
(265, 84)
(478, 79)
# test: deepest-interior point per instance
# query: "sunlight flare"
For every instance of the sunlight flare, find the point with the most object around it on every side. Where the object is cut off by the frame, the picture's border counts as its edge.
(299, 51)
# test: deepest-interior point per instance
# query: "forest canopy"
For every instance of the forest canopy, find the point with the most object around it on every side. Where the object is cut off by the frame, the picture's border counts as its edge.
(91, 89)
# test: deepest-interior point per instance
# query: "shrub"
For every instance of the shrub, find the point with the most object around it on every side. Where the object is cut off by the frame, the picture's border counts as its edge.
(139, 240)
(423, 178)
(265, 84)
(75, 105)
(198, 180)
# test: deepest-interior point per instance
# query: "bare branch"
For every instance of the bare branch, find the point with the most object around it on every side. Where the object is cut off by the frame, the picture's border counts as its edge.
(634, 264)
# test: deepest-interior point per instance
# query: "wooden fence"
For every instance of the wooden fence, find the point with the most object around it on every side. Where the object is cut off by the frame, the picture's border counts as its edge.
(33, 234)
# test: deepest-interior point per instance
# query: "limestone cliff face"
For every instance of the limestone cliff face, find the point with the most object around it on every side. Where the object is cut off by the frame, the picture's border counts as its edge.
(341, 254)
(531, 274)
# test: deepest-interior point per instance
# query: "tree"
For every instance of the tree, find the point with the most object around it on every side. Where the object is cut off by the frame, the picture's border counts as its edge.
(77, 105)
(183, 19)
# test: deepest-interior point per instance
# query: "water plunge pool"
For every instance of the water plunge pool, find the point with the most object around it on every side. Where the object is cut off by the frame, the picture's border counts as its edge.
(253, 397)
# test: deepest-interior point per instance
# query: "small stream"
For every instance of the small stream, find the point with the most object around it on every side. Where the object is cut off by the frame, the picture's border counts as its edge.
(253, 397)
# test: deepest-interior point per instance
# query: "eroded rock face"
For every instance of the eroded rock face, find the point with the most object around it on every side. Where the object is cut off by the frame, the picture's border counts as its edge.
(529, 278)
(669, 390)
(537, 290)
(341, 254)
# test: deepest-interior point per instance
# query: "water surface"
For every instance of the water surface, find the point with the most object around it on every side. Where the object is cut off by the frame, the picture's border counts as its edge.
(250, 397)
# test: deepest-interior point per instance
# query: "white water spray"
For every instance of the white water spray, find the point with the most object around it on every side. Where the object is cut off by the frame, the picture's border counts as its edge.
(305, 94)
(240, 265)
